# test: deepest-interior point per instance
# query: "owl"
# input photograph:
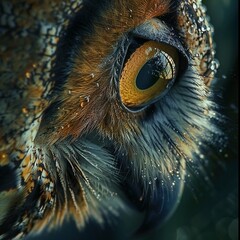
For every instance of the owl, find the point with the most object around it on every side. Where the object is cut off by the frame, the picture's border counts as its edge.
(102, 104)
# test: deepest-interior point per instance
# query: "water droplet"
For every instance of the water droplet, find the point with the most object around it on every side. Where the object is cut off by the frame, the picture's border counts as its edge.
(148, 50)
(204, 28)
(24, 110)
(194, 5)
(214, 65)
(200, 19)
(87, 98)
(81, 105)
(28, 75)
(191, 29)
(204, 9)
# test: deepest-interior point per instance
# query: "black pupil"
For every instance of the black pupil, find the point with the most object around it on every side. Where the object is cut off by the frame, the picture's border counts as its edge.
(149, 73)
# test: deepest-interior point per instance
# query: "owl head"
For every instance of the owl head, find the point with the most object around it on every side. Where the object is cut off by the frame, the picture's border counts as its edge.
(127, 112)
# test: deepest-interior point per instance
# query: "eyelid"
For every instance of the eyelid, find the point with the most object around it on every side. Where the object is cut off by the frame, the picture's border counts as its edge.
(156, 30)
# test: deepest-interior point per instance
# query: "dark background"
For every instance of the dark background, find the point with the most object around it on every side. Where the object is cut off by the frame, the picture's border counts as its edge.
(208, 210)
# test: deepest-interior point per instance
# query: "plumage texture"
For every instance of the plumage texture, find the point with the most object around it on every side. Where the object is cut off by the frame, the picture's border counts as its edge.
(64, 133)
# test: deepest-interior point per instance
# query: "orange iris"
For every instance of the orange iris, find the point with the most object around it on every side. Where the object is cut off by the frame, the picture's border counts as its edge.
(147, 73)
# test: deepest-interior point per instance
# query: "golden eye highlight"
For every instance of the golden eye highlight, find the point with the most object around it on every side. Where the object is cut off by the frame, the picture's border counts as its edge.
(148, 73)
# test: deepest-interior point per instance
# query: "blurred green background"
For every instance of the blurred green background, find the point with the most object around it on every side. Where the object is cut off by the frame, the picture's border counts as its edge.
(206, 212)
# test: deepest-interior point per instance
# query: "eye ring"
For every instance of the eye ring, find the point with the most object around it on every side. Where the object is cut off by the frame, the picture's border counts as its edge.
(148, 74)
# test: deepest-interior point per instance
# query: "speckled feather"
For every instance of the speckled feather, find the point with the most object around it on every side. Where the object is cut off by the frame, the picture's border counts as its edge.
(51, 169)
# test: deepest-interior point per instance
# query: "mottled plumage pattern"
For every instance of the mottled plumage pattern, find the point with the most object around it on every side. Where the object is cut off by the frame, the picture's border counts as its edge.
(67, 144)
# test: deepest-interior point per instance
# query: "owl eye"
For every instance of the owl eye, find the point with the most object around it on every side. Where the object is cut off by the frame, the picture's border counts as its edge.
(148, 74)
